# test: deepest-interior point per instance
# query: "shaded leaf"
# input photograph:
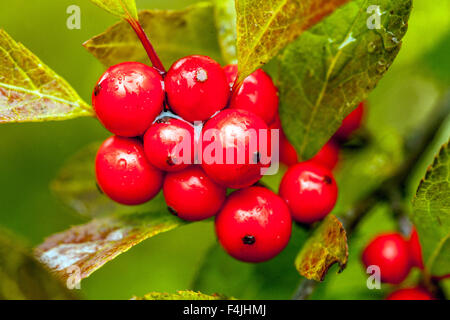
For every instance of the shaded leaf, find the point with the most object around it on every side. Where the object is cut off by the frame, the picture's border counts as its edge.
(225, 16)
(22, 277)
(30, 91)
(264, 27)
(122, 8)
(332, 67)
(181, 295)
(274, 279)
(431, 214)
(76, 186)
(90, 246)
(175, 34)
(327, 246)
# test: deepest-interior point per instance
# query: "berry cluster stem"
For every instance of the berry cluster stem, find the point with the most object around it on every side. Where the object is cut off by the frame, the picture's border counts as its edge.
(156, 62)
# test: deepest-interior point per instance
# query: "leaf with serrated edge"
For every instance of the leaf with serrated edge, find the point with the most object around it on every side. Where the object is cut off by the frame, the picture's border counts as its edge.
(30, 91)
(175, 34)
(90, 246)
(225, 14)
(121, 8)
(264, 27)
(76, 186)
(332, 67)
(431, 214)
(327, 246)
(181, 295)
(23, 277)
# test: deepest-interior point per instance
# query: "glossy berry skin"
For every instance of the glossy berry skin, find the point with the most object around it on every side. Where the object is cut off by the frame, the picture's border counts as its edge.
(328, 156)
(230, 132)
(128, 97)
(254, 225)
(309, 190)
(192, 195)
(415, 250)
(167, 141)
(351, 123)
(390, 252)
(231, 72)
(288, 154)
(256, 93)
(410, 294)
(196, 88)
(123, 172)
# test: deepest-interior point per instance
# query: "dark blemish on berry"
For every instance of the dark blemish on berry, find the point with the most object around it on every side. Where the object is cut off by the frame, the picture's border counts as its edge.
(97, 89)
(327, 180)
(164, 120)
(248, 240)
(172, 211)
(256, 157)
(98, 188)
(170, 161)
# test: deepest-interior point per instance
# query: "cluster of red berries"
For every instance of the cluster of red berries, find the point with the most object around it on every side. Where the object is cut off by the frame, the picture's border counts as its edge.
(162, 124)
(396, 256)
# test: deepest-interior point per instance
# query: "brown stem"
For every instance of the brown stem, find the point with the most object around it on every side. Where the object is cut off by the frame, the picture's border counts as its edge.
(156, 62)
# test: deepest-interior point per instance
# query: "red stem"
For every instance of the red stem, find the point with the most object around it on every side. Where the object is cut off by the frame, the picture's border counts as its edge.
(156, 62)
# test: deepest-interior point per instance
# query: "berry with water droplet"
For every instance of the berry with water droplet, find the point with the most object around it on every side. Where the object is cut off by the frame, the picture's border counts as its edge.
(123, 172)
(192, 194)
(309, 190)
(128, 97)
(169, 144)
(254, 224)
(196, 88)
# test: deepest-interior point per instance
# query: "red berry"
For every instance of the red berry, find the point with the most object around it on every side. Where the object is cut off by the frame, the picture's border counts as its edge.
(390, 252)
(196, 88)
(328, 156)
(233, 150)
(256, 93)
(410, 294)
(415, 250)
(192, 195)
(124, 173)
(254, 224)
(128, 97)
(309, 190)
(351, 123)
(169, 144)
(231, 72)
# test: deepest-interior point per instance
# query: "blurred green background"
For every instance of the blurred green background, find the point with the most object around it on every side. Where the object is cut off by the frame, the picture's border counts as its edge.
(31, 154)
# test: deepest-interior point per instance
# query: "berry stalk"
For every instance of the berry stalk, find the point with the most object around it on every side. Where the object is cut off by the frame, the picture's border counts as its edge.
(156, 62)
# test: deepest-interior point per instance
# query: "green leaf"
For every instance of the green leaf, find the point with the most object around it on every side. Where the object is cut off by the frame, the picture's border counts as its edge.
(124, 9)
(327, 246)
(31, 91)
(264, 27)
(431, 214)
(274, 279)
(181, 295)
(332, 67)
(225, 14)
(91, 245)
(22, 277)
(175, 34)
(76, 186)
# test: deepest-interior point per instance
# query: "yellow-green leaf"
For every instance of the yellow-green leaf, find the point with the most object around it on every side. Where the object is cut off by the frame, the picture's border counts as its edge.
(122, 8)
(31, 91)
(332, 67)
(174, 34)
(23, 277)
(225, 14)
(264, 27)
(326, 246)
(88, 247)
(181, 295)
(431, 214)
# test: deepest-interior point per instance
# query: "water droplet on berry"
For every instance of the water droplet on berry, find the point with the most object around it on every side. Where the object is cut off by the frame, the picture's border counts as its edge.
(202, 75)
